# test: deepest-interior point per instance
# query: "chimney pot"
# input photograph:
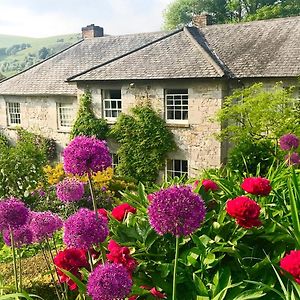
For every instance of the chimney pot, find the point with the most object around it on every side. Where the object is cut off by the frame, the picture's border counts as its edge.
(202, 20)
(91, 31)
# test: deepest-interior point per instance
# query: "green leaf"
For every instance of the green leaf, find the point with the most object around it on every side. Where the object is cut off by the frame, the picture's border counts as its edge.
(80, 284)
(200, 286)
(250, 294)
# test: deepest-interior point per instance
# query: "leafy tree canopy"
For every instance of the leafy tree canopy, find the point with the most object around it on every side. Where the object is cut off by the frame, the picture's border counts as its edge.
(257, 113)
(181, 12)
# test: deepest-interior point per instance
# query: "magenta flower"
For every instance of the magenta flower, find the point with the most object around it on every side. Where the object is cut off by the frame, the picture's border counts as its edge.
(288, 142)
(13, 213)
(84, 229)
(70, 190)
(44, 225)
(292, 159)
(176, 210)
(109, 282)
(22, 236)
(85, 155)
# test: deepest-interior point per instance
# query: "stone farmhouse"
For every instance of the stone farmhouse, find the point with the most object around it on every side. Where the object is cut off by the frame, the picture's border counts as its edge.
(185, 74)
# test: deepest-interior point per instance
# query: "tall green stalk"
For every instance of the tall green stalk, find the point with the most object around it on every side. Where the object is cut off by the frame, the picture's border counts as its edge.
(14, 259)
(92, 194)
(20, 270)
(175, 268)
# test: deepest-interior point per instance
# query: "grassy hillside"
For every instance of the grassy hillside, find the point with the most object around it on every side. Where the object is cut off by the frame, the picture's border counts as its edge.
(18, 53)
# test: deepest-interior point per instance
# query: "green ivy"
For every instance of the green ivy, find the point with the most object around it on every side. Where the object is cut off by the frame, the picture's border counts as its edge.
(144, 143)
(86, 122)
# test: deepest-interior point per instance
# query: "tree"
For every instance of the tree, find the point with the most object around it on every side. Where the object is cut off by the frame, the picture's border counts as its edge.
(181, 12)
(258, 114)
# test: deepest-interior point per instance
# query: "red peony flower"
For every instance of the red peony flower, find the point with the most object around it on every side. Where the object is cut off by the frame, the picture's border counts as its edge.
(119, 212)
(102, 212)
(209, 185)
(133, 297)
(150, 197)
(121, 255)
(153, 291)
(245, 211)
(257, 186)
(70, 260)
(291, 264)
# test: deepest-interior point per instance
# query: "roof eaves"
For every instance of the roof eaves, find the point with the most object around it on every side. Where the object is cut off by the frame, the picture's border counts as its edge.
(73, 78)
(208, 53)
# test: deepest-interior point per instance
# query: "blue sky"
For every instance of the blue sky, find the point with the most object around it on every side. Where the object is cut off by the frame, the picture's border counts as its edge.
(41, 18)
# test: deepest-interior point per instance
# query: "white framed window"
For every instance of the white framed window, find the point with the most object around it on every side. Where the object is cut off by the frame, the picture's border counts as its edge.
(115, 160)
(176, 105)
(112, 104)
(13, 113)
(176, 167)
(64, 115)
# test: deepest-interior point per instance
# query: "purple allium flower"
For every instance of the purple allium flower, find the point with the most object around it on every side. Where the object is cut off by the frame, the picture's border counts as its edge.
(84, 229)
(70, 190)
(292, 159)
(44, 225)
(176, 210)
(22, 236)
(109, 282)
(86, 155)
(288, 142)
(13, 213)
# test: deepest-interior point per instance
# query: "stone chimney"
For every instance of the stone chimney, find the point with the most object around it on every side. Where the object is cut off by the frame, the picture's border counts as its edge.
(91, 31)
(202, 20)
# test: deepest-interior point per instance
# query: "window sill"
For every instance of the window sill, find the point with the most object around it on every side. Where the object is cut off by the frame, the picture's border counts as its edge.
(64, 130)
(178, 125)
(14, 127)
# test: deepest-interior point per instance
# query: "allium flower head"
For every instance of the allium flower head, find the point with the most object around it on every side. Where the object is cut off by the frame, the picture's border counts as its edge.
(292, 159)
(120, 211)
(257, 186)
(288, 142)
(70, 260)
(109, 282)
(176, 210)
(209, 185)
(85, 155)
(121, 255)
(70, 190)
(84, 229)
(13, 213)
(291, 264)
(22, 236)
(245, 210)
(44, 225)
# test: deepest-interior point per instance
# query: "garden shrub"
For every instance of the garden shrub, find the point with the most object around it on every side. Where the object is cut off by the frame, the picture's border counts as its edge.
(47, 145)
(144, 143)
(4, 142)
(246, 155)
(86, 122)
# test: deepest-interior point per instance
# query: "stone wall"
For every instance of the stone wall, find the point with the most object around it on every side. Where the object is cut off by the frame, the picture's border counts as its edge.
(195, 140)
(38, 115)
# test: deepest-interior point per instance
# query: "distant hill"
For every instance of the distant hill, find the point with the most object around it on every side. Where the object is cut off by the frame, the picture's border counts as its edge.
(18, 53)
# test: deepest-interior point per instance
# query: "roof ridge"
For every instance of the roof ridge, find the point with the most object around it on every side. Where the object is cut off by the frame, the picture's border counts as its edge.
(207, 52)
(42, 61)
(71, 78)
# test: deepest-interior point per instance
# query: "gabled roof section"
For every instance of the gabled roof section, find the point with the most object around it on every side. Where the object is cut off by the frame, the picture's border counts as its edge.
(173, 56)
(49, 76)
(267, 48)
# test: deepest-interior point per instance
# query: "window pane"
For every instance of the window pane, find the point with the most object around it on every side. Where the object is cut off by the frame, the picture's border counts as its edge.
(176, 104)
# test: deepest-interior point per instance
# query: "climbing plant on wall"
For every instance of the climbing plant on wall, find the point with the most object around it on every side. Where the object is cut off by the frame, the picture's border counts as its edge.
(86, 122)
(144, 143)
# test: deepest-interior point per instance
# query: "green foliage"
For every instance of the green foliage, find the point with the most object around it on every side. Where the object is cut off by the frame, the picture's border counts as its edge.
(86, 122)
(181, 12)
(4, 142)
(255, 113)
(248, 154)
(46, 145)
(144, 143)
(20, 168)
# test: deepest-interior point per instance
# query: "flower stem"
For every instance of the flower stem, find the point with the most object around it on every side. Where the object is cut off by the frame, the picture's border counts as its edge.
(90, 260)
(92, 194)
(103, 254)
(14, 259)
(20, 270)
(175, 268)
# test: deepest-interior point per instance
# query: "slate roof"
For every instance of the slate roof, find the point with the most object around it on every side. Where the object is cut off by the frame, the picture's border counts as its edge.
(269, 48)
(49, 76)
